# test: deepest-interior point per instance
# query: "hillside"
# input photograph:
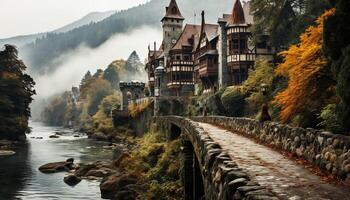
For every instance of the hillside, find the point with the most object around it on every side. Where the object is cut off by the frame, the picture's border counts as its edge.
(40, 54)
(22, 40)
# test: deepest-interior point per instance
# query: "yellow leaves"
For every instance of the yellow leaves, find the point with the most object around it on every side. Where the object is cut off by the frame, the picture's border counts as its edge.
(303, 65)
(136, 109)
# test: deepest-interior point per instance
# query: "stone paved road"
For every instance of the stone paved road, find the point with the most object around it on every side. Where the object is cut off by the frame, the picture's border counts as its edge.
(271, 169)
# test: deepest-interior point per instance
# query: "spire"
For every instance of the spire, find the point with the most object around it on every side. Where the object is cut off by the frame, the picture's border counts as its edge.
(173, 11)
(203, 18)
(238, 13)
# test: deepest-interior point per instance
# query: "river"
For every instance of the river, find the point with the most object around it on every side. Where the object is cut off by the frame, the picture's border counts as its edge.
(21, 179)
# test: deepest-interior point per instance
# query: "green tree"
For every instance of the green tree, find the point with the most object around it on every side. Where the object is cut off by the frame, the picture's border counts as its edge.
(283, 21)
(337, 48)
(16, 91)
(112, 76)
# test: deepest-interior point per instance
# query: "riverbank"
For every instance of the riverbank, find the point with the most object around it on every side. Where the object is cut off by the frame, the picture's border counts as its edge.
(147, 167)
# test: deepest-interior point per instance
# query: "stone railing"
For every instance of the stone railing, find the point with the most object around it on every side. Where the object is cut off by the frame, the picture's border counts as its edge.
(222, 178)
(329, 151)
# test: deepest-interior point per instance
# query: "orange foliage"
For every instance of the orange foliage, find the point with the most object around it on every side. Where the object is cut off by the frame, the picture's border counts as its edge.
(303, 65)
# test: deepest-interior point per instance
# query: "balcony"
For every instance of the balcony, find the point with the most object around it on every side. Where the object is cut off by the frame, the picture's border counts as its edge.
(250, 57)
(208, 70)
(181, 62)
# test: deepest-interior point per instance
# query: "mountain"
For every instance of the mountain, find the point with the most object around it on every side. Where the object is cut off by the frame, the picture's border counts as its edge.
(91, 17)
(40, 55)
(19, 41)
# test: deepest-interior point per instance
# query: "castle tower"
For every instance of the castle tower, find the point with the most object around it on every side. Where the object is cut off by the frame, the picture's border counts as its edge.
(172, 26)
(237, 54)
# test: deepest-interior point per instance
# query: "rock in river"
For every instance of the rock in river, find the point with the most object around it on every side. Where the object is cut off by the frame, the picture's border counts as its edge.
(71, 180)
(56, 167)
(6, 153)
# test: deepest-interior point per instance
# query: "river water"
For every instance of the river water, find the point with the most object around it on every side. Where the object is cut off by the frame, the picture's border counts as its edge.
(21, 179)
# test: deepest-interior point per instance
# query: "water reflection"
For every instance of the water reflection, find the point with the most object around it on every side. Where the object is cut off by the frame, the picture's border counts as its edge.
(15, 179)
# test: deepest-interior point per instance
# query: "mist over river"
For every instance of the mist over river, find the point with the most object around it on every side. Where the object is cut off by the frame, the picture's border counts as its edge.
(21, 179)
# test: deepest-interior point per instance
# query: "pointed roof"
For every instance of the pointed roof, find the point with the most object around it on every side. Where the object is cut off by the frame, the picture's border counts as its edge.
(173, 11)
(237, 14)
(189, 33)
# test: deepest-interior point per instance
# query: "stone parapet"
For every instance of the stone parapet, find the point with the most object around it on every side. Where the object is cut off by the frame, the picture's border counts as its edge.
(326, 150)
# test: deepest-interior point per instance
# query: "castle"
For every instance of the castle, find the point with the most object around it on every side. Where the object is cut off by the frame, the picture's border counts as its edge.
(203, 57)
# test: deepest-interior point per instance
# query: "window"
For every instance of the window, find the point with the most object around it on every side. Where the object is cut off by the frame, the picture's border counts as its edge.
(178, 57)
(243, 45)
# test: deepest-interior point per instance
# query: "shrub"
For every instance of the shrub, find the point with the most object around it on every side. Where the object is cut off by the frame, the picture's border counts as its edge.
(233, 102)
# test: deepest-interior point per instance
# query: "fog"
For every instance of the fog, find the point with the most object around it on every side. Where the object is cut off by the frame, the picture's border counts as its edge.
(76, 63)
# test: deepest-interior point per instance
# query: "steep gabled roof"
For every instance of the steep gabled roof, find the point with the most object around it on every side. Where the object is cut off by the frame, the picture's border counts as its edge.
(211, 31)
(237, 16)
(173, 11)
(190, 31)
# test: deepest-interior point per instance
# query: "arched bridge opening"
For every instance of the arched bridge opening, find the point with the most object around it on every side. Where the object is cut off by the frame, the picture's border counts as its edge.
(192, 175)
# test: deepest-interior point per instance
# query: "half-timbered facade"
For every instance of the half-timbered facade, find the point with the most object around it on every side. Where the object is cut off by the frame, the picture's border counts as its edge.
(206, 56)
(180, 77)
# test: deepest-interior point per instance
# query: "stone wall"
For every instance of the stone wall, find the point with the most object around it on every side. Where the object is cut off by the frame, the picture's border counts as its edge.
(324, 149)
(222, 178)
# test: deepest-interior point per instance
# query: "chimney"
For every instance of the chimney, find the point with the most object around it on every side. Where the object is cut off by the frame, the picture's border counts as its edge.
(166, 9)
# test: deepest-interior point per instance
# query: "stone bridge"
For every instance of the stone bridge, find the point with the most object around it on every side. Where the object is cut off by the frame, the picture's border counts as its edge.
(225, 158)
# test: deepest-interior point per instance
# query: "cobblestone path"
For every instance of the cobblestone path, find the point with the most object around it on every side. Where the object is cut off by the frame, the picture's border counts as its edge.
(271, 169)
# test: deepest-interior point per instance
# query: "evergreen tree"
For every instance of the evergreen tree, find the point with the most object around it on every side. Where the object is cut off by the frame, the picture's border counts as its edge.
(16, 91)
(284, 20)
(337, 48)
(112, 76)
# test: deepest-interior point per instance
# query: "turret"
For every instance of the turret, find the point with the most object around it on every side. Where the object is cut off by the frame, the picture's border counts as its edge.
(172, 26)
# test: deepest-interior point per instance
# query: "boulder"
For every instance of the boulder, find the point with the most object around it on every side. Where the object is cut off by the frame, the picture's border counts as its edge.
(125, 195)
(103, 172)
(56, 167)
(113, 184)
(71, 180)
(7, 153)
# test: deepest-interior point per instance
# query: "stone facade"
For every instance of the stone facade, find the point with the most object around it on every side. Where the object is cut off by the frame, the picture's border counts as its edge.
(208, 170)
(328, 151)
(131, 92)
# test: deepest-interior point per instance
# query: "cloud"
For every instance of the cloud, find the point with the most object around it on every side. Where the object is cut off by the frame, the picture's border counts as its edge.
(75, 64)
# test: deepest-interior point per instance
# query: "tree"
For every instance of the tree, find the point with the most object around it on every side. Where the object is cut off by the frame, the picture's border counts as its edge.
(283, 20)
(307, 71)
(262, 74)
(16, 91)
(112, 76)
(337, 48)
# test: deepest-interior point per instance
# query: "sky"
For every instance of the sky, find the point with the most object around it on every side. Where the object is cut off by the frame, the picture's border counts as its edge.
(22, 17)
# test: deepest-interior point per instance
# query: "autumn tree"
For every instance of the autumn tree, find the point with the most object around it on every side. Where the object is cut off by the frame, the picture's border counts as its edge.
(309, 80)
(16, 92)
